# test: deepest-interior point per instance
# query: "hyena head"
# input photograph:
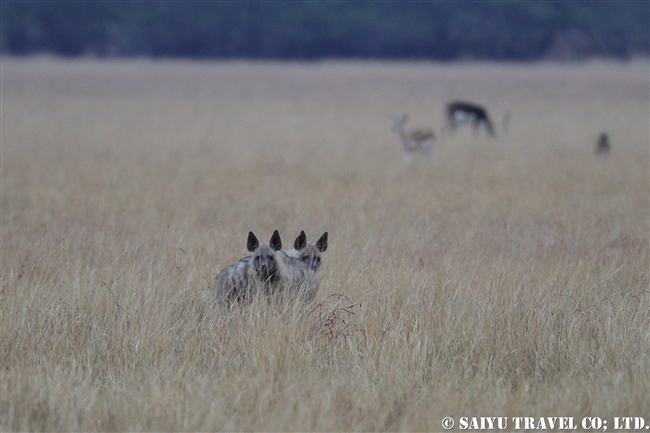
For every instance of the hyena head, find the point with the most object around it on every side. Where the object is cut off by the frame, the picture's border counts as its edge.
(308, 252)
(264, 258)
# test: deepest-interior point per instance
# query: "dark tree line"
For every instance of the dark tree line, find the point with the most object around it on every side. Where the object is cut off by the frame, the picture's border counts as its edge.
(437, 30)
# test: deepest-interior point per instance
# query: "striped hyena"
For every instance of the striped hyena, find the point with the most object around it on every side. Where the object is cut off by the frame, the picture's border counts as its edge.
(308, 252)
(252, 275)
(268, 272)
(303, 262)
(301, 282)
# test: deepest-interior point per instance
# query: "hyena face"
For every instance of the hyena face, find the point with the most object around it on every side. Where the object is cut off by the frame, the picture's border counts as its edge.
(308, 252)
(266, 263)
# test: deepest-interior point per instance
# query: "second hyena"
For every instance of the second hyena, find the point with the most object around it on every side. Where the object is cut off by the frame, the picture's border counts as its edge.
(304, 260)
(309, 252)
(301, 282)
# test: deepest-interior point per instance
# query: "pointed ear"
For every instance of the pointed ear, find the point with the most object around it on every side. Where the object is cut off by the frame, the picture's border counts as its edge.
(252, 242)
(301, 241)
(321, 243)
(275, 242)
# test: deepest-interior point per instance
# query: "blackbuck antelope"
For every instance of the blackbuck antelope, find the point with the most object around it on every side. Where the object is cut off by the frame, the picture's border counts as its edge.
(466, 112)
(267, 272)
(602, 145)
(417, 140)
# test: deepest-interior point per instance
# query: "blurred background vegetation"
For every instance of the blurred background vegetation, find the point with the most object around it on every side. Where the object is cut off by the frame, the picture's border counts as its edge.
(432, 30)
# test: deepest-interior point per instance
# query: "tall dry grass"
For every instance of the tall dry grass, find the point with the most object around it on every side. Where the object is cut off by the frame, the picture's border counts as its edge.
(507, 278)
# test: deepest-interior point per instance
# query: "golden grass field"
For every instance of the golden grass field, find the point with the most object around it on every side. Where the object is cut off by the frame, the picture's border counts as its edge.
(508, 277)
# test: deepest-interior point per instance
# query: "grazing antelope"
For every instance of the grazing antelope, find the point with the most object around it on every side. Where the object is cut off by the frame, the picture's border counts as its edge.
(417, 140)
(308, 252)
(602, 145)
(267, 272)
(467, 112)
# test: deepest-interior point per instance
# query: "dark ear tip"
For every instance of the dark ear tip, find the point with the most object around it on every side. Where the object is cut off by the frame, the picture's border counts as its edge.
(301, 241)
(276, 241)
(321, 243)
(252, 243)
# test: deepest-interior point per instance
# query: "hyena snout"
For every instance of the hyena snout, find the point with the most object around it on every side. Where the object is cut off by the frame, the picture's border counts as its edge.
(313, 262)
(266, 267)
